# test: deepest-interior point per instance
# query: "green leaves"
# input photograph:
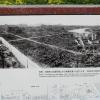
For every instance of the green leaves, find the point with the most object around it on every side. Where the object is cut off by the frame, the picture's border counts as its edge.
(55, 1)
(19, 2)
(82, 1)
(35, 2)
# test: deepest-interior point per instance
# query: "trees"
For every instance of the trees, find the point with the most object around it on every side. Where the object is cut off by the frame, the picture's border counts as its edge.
(19, 2)
(41, 1)
(36, 1)
(55, 1)
(82, 1)
(30, 1)
(7, 2)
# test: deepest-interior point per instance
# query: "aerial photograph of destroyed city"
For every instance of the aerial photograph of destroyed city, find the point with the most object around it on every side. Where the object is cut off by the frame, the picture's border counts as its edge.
(49, 46)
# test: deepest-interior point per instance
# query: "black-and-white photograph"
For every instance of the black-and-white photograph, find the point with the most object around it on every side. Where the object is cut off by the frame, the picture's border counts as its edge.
(50, 41)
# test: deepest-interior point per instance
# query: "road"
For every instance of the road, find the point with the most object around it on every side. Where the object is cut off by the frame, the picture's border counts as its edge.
(25, 61)
(51, 46)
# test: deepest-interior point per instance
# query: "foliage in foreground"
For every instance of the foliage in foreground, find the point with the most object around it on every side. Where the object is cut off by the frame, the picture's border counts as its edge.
(34, 2)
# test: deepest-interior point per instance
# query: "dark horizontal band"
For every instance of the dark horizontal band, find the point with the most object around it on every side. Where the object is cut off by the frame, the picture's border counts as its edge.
(53, 9)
